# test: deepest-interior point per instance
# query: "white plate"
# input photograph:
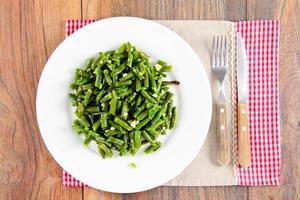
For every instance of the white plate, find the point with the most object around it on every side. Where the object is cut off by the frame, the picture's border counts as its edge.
(179, 148)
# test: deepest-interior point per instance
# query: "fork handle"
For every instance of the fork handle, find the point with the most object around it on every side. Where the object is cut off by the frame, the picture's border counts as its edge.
(223, 155)
(244, 154)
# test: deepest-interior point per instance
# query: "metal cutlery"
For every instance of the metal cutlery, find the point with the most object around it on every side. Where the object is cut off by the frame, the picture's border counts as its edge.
(219, 68)
(244, 155)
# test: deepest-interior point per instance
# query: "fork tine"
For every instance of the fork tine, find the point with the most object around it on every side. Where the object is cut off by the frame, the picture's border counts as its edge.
(214, 52)
(221, 55)
(218, 51)
(226, 53)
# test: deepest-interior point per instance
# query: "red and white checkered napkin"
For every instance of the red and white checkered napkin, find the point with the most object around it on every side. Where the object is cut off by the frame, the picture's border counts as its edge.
(262, 45)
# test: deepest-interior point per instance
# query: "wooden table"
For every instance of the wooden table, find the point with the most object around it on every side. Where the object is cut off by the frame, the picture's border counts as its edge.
(30, 31)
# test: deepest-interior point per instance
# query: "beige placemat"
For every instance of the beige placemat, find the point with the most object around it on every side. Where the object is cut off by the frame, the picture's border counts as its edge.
(204, 170)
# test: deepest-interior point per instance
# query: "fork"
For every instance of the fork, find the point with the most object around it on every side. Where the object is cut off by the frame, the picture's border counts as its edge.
(219, 68)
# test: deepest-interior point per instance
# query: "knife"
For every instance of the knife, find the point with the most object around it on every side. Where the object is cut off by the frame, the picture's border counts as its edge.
(244, 155)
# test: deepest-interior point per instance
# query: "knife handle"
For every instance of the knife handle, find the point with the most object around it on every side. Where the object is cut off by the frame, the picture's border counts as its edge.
(244, 154)
(223, 142)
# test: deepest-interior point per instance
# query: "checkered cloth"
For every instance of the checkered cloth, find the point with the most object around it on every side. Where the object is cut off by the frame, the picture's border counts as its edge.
(262, 45)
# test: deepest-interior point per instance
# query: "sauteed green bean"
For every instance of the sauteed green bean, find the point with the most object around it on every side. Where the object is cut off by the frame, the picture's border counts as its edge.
(122, 102)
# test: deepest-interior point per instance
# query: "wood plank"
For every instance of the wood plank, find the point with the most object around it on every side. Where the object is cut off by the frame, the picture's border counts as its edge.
(158, 9)
(288, 13)
(91, 193)
(168, 9)
(30, 30)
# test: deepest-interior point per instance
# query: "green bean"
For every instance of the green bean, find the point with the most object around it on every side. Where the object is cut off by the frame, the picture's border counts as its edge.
(133, 149)
(166, 69)
(103, 119)
(127, 76)
(102, 153)
(153, 148)
(146, 80)
(119, 69)
(161, 62)
(138, 111)
(139, 100)
(153, 132)
(131, 97)
(115, 140)
(99, 96)
(121, 90)
(87, 86)
(119, 105)
(159, 83)
(138, 74)
(122, 48)
(88, 140)
(123, 83)
(142, 123)
(113, 103)
(79, 91)
(143, 115)
(128, 92)
(147, 137)
(116, 126)
(124, 112)
(107, 151)
(158, 115)
(142, 68)
(82, 73)
(82, 81)
(94, 109)
(152, 80)
(173, 119)
(98, 80)
(123, 124)
(73, 99)
(130, 59)
(148, 97)
(84, 121)
(168, 98)
(87, 97)
(105, 107)
(137, 139)
(155, 125)
(137, 85)
(80, 109)
(153, 111)
(169, 108)
(89, 63)
(96, 125)
(106, 98)
(111, 132)
(107, 77)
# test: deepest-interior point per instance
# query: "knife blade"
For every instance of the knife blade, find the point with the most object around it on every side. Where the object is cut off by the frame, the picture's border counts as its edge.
(244, 155)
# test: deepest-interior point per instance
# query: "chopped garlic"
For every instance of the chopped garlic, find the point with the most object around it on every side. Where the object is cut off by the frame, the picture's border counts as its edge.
(134, 123)
(158, 67)
(112, 128)
(125, 74)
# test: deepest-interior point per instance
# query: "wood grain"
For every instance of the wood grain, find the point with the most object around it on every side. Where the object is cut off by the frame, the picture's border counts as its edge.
(31, 29)
(224, 144)
(244, 153)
